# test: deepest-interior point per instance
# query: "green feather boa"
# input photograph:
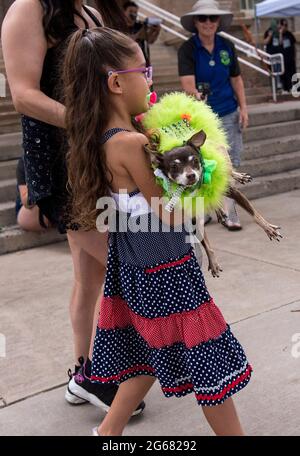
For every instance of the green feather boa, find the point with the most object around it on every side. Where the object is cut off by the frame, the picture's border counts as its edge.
(175, 119)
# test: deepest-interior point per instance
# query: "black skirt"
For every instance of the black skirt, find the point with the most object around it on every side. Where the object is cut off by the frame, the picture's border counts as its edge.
(45, 149)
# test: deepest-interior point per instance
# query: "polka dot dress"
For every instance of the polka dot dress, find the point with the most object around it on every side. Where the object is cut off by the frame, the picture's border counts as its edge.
(157, 317)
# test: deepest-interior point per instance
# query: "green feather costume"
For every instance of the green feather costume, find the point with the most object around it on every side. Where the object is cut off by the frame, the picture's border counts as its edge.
(174, 120)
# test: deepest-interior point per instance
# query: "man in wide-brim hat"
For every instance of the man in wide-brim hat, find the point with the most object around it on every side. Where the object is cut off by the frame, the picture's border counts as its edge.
(209, 69)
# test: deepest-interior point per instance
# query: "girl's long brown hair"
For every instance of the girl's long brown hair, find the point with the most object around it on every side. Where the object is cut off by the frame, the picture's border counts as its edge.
(90, 54)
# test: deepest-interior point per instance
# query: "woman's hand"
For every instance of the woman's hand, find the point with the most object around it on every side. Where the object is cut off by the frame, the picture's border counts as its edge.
(244, 117)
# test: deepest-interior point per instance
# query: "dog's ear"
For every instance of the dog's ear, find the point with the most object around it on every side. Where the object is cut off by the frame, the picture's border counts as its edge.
(156, 157)
(198, 139)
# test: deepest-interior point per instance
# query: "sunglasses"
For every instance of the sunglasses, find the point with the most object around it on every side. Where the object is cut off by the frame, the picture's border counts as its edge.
(203, 18)
(148, 72)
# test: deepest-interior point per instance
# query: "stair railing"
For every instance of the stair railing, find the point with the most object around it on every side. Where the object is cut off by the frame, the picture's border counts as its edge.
(274, 61)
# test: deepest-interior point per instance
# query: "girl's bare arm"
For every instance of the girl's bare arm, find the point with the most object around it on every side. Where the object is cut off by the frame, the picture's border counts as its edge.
(24, 50)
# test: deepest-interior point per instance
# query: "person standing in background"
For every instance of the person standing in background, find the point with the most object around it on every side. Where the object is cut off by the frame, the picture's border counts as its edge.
(209, 69)
(278, 39)
(144, 33)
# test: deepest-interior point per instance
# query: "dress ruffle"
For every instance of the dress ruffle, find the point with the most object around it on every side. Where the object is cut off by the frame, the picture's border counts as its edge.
(191, 327)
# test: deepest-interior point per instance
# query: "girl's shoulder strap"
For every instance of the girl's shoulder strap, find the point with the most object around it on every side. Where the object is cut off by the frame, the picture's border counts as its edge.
(110, 133)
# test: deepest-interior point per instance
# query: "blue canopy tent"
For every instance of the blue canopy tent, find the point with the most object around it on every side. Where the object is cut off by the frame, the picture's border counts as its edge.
(278, 8)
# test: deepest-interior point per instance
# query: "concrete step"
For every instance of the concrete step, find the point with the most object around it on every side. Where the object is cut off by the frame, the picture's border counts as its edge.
(10, 146)
(271, 165)
(165, 71)
(168, 79)
(14, 127)
(162, 56)
(174, 84)
(274, 113)
(14, 239)
(7, 214)
(9, 115)
(270, 147)
(8, 169)
(275, 130)
(256, 99)
(8, 190)
(165, 89)
(257, 90)
(272, 184)
(6, 106)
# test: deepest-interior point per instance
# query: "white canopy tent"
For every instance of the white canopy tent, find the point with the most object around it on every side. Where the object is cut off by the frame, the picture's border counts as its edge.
(278, 8)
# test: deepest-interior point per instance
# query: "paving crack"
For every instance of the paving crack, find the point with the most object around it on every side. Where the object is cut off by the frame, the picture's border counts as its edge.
(30, 396)
(259, 259)
(2, 402)
(268, 311)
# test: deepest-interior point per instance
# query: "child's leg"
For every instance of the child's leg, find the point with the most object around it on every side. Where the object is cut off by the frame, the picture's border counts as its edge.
(89, 272)
(129, 395)
(223, 419)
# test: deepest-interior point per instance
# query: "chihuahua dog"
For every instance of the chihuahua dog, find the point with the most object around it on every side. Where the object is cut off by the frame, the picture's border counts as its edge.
(184, 165)
(181, 165)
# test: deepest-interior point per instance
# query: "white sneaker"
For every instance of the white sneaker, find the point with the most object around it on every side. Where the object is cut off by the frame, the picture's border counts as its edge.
(95, 432)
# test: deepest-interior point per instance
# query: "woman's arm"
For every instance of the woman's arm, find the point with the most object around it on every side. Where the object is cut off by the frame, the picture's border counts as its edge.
(24, 50)
(188, 84)
(23, 194)
(138, 165)
(268, 38)
(187, 69)
(153, 33)
(239, 90)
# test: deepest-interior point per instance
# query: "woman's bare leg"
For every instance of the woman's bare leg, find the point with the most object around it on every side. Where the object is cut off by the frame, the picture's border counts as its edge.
(223, 419)
(129, 395)
(89, 254)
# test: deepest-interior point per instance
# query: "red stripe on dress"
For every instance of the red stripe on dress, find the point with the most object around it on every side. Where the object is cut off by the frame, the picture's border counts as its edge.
(124, 372)
(212, 397)
(168, 265)
(190, 327)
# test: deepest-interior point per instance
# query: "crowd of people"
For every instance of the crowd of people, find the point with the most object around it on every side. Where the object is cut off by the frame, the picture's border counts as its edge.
(78, 75)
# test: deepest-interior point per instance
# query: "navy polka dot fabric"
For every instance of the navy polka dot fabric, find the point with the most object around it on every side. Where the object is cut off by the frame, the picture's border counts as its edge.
(157, 318)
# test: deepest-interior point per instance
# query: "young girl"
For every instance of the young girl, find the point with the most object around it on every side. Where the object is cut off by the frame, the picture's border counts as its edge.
(157, 319)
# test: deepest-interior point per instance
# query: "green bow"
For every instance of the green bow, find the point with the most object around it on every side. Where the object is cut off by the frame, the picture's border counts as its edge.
(209, 167)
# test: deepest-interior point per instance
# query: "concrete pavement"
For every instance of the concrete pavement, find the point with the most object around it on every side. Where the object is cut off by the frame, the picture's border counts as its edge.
(258, 293)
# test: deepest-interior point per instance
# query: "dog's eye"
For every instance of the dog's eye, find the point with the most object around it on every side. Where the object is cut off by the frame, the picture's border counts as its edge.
(174, 167)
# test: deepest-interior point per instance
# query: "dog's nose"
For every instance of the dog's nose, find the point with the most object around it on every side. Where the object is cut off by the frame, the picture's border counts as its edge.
(191, 177)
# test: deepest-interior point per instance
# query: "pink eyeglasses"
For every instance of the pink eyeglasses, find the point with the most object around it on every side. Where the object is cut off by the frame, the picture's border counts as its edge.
(148, 72)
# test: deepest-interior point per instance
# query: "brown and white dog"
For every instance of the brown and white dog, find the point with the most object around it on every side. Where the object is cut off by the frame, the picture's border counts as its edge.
(183, 165)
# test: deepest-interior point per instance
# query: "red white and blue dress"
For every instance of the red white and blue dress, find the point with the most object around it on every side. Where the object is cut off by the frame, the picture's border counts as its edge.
(157, 317)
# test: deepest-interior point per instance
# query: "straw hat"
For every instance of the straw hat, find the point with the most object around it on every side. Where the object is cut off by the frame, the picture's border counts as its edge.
(207, 8)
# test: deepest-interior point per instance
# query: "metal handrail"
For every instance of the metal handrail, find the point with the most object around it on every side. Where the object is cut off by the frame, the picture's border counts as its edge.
(275, 61)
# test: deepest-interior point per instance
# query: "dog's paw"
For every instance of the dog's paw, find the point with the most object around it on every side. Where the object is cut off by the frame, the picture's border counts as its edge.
(221, 216)
(242, 178)
(215, 269)
(273, 232)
